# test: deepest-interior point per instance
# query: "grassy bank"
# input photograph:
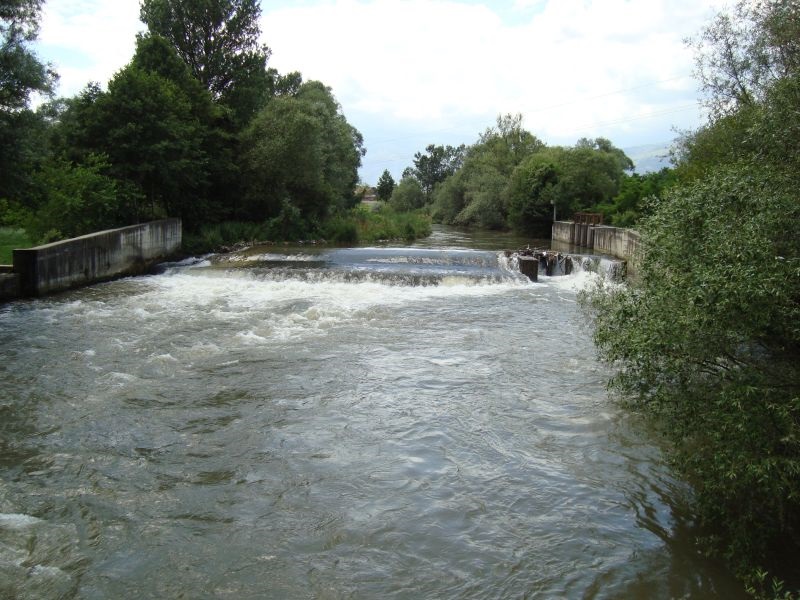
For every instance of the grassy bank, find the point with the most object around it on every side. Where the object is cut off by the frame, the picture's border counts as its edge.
(10, 238)
(358, 226)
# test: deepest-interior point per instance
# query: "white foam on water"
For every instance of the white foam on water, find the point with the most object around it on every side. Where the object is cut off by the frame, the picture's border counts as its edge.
(264, 309)
(575, 282)
(17, 521)
(272, 257)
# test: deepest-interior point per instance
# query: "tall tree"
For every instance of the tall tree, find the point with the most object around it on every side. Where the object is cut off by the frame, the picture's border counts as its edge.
(435, 165)
(741, 53)
(385, 186)
(300, 150)
(218, 39)
(155, 126)
(21, 72)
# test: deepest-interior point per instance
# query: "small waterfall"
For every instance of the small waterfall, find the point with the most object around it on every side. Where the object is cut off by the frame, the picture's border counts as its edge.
(554, 264)
(613, 269)
(388, 266)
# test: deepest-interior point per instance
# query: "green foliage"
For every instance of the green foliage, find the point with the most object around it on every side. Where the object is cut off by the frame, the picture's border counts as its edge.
(710, 343)
(477, 194)
(509, 178)
(505, 145)
(385, 186)
(289, 224)
(301, 149)
(10, 238)
(153, 140)
(219, 41)
(449, 199)
(533, 191)
(353, 226)
(434, 166)
(385, 224)
(635, 192)
(76, 200)
(21, 72)
(744, 52)
(707, 340)
(485, 204)
(213, 236)
(408, 195)
(22, 151)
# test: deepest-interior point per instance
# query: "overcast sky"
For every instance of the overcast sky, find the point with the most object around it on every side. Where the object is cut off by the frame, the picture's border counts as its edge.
(413, 72)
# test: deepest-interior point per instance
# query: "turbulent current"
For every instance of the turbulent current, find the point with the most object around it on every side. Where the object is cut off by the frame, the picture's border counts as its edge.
(385, 422)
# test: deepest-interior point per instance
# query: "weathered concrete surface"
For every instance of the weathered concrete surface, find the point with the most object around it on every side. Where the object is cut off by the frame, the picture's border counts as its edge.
(622, 243)
(529, 266)
(95, 257)
(563, 231)
(9, 286)
(614, 241)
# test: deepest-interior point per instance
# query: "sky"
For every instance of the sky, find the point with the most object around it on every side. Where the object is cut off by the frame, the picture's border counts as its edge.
(408, 73)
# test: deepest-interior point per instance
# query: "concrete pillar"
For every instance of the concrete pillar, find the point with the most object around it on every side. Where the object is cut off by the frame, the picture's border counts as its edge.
(529, 266)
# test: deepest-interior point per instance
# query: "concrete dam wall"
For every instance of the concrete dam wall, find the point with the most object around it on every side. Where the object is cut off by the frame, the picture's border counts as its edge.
(95, 257)
(614, 241)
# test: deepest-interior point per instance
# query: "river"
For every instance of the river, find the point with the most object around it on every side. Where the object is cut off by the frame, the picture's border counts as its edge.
(390, 422)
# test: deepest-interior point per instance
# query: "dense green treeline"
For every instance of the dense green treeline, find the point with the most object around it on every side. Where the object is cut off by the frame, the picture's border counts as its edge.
(707, 340)
(195, 126)
(509, 179)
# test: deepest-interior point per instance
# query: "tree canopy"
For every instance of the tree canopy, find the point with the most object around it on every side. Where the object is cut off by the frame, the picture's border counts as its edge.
(21, 72)
(300, 150)
(218, 40)
(385, 186)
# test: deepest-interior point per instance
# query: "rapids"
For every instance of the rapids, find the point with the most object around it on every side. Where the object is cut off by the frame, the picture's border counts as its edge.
(390, 422)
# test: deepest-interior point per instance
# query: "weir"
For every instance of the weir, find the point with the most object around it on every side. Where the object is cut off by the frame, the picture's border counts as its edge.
(92, 258)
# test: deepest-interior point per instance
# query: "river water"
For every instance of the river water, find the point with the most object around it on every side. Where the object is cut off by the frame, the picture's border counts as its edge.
(386, 422)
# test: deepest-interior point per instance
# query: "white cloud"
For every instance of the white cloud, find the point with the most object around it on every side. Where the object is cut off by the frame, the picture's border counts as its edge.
(438, 60)
(88, 40)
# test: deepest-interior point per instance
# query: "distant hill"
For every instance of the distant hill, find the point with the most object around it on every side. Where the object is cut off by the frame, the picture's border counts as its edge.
(650, 157)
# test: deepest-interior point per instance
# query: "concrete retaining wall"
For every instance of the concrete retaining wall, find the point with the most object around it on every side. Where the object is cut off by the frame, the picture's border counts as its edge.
(614, 241)
(95, 257)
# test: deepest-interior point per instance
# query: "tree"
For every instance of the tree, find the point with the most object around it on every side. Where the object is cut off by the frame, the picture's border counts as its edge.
(709, 345)
(301, 150)
(386, 186)
(477, 194)
(507, 144)
(590, 176)
(532, 192)
(21, 72)
(437, 164)
(742, 53)
(153, 125)
(77, 199)
(218, 40)
(408, 195)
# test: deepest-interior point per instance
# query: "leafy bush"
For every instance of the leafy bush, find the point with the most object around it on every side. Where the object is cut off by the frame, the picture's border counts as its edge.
(708, 342)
